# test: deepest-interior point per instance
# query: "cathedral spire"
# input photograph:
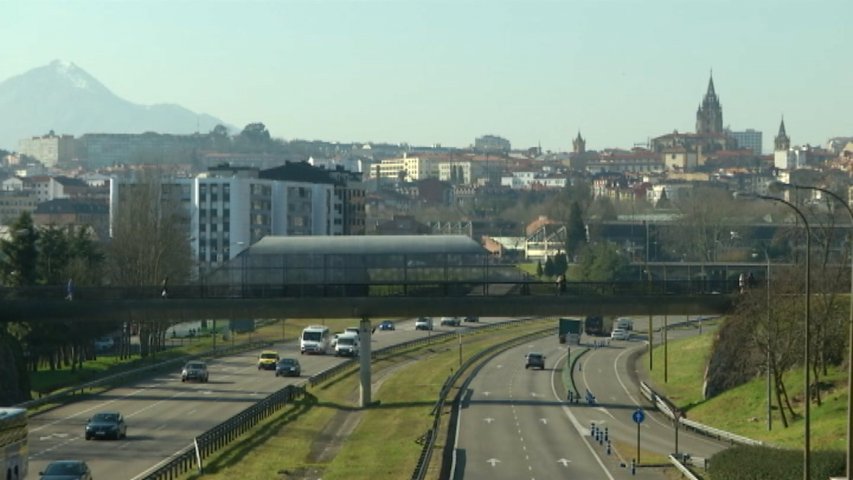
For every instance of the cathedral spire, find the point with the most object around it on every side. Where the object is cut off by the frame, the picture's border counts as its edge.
(782, 140)
(709, 117)
(711, 92)
(579, 144)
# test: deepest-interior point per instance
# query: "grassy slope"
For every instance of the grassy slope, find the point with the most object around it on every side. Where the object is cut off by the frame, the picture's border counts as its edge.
(743, 410)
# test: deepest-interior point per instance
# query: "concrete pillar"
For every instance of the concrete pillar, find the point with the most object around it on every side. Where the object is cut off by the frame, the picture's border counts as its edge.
(364, 333)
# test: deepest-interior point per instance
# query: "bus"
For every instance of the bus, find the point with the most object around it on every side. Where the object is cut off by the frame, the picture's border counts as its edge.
(13, 443)
(315, 339)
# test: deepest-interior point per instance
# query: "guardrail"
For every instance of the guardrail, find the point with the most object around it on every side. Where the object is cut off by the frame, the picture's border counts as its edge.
(192, 457)
(668, 408)
(682, 468)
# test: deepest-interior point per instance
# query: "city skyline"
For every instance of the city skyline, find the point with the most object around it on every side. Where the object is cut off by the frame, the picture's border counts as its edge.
(440, 72)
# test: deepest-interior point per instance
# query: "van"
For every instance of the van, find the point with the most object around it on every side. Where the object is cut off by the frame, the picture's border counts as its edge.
(423, 323)
(267, 360)
(348, 345)
(315, 339)
(624, 323)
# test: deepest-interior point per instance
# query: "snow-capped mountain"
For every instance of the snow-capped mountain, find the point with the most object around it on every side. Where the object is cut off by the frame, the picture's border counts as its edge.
(64, 98)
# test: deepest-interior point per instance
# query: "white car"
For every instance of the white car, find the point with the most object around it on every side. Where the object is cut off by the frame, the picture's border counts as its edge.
(423, 323)
(620, 334)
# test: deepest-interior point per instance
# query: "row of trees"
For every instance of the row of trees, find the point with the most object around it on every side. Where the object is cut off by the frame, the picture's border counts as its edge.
(149, 244)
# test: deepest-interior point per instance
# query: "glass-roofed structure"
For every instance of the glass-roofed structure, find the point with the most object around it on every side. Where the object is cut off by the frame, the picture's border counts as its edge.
(357, 265)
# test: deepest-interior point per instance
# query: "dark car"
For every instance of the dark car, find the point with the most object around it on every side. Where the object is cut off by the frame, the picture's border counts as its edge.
(450, 321)
(288, 367)
(195, 370)
(386, 325)
(471, 318)
(535, 360)
(66, 470)
(106, 425)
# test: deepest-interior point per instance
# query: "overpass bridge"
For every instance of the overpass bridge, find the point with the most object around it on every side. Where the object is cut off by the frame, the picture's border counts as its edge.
(363, 300)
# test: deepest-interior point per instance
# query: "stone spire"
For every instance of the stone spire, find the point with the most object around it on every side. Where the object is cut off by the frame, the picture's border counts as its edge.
(579, 144)
(782, 141)
(709, 116)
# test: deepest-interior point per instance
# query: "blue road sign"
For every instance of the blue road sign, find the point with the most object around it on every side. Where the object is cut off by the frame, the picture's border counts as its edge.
(638, 416)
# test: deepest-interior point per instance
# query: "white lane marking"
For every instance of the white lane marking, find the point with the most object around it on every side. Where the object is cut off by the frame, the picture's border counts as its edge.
(583, 432)
(564, 461)
(544, 421)
(493, 461)
(489, 419)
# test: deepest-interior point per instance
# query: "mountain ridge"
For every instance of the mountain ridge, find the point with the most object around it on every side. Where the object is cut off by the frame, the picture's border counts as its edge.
(66, 99)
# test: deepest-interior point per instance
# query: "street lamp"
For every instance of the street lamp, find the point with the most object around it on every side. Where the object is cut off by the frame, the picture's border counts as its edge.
(807, 339)
(787, 186)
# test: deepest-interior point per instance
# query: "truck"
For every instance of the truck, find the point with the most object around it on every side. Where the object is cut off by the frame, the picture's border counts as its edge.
(569, 330)
(597, 325)
(347, 345)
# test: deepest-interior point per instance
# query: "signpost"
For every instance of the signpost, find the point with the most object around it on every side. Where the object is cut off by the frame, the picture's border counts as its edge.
(638, 417)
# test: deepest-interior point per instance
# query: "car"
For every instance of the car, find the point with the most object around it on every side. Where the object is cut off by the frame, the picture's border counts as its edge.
(423, 323)
(535, 360)
(288, 367)
(267, 360)
(387, 325)
(104, 343)
(450, 321)
(620, 334)
(351, 330)
(195, 370)
(471, 319)
(66, 470)
(106, 425)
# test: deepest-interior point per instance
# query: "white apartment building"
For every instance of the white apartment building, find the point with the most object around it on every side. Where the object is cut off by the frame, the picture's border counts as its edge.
(459, 173)
(50, 149)
(407, 168)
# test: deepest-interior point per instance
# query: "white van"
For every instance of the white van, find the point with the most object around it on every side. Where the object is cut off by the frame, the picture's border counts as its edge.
(315, 339)
(624, 323)
(347, 345)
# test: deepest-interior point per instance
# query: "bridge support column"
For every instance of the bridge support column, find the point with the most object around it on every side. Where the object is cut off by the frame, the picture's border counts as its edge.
(364, 354)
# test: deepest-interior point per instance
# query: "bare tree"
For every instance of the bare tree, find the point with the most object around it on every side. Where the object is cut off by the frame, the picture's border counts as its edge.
(150, 244)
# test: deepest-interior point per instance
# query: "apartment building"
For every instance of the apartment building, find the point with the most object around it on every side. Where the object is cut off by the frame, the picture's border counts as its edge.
(50, 149)
(405, 168)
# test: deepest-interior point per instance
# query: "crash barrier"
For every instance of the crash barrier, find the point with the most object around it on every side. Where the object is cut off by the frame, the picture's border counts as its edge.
(193, 456)
(677, 462)
(668, 408)
(63, 395)
(450, 451)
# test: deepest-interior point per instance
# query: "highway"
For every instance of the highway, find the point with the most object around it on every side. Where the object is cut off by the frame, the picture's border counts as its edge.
(516, 424)
(164, 415)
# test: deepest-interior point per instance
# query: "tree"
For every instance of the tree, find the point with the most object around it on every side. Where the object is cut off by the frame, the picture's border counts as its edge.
(575, 230)
(539, 270)
(19, 255)
(561, 264)
(603, 262)
(150, 243)
(704, 227)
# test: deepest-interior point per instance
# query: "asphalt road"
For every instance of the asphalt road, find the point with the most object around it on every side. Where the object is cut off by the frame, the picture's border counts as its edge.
(164, 415)
(516, 424)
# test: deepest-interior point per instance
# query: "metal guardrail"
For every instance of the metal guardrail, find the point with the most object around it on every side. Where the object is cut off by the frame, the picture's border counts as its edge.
(192, 457)
(682, 468)
(667, 408)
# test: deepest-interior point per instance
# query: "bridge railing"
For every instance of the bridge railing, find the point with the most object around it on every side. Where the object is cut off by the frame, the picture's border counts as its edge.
(421, 288)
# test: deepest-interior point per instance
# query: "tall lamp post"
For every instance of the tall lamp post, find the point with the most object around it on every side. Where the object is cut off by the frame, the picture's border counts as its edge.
(849, 453)
(807, 336)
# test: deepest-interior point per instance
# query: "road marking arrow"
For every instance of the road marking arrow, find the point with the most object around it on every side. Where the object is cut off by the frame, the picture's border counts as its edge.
(493, 461)
(544, 421)
(564, 461)
(489, 419)
(486, 394)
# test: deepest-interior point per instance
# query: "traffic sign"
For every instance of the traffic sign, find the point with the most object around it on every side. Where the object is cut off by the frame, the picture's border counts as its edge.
(638, 416)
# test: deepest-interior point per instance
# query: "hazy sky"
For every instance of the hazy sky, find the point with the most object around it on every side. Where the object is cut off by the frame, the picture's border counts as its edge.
(429, 71)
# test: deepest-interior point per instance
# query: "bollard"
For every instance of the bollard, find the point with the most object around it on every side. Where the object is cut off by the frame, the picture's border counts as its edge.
(608, 447)
(633, 467)
(592, 429)
(606, 436)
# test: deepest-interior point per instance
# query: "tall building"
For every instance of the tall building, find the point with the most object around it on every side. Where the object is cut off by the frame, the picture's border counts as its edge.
(709, 116)
(50, 149)
(750, 139)
(784, 158)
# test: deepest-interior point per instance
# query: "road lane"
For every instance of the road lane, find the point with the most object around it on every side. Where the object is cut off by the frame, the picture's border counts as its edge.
(164, 415)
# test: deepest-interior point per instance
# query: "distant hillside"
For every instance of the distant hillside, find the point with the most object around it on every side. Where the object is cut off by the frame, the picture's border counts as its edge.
(64, 98)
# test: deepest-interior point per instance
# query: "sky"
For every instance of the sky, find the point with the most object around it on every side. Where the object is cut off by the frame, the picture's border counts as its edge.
(428, 72)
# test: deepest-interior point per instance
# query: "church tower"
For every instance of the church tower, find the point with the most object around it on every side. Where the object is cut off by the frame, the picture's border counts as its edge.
(782, 141)
(579, 144)
(709, 116)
